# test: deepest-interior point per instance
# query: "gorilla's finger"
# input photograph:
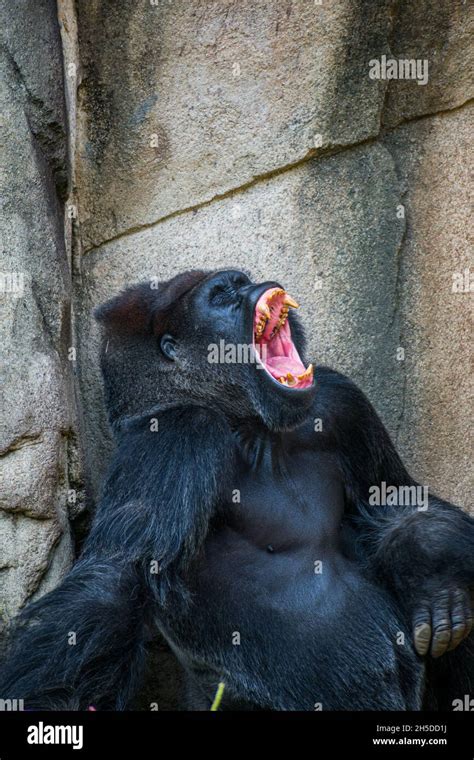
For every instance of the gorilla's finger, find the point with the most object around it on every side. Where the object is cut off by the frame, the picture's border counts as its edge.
(422, 630)
(469, 615)
(441, 625)
(459, 620)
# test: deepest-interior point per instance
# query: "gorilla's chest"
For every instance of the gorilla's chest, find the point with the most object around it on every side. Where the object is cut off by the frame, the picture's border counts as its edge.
(288, 499)
(282, 514)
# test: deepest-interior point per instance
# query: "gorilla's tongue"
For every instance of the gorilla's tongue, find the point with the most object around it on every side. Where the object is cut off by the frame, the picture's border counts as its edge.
(273, 342)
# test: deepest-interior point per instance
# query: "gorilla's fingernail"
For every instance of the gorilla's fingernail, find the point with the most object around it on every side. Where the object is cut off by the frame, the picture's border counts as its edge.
(422, 638)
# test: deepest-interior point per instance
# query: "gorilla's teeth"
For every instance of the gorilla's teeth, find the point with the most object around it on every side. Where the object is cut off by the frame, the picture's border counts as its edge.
(259, 331)
(260, 326)
(307, 373)
(277, 300)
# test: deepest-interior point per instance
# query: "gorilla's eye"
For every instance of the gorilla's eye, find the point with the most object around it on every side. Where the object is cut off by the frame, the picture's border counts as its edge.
(224, 294)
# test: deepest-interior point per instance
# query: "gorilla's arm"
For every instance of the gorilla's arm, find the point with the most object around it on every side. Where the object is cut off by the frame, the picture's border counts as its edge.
(81, 645)
(84, 642)
(425, 556)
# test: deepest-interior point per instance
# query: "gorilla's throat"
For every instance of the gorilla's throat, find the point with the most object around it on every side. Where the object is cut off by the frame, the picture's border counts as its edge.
(273, 342)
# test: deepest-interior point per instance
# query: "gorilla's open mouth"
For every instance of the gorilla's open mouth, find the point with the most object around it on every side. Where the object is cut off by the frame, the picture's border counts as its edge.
(273, 342)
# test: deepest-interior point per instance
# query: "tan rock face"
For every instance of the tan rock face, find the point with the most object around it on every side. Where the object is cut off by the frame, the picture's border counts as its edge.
(439, 33)
(182, 101)
(36, 408)
(435, 301)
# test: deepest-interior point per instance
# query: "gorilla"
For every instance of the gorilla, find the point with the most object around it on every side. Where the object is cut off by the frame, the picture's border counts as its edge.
(240, 519)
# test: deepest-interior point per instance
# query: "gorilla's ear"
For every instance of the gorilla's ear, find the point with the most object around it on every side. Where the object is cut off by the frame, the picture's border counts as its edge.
(168, 346)
(145, 308)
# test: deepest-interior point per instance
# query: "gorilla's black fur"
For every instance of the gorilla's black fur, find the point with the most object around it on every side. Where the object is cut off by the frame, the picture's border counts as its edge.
(230, 580)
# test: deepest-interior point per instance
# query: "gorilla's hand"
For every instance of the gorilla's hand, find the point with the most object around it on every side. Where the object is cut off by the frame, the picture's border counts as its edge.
(443, 617)
(427, 558)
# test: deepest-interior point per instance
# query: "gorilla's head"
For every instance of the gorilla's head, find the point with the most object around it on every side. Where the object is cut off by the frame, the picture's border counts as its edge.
(213, 339)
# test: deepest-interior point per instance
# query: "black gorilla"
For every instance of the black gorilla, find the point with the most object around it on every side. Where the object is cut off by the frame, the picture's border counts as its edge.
(237, 518)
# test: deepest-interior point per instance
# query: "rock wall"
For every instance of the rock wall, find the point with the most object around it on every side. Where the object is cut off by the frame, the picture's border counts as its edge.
(38, 452)
(161, 135)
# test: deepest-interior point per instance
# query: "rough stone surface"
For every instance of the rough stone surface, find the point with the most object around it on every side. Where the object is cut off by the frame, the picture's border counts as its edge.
(36, 433)
(231, 90)
(440, 32)
(435, 429)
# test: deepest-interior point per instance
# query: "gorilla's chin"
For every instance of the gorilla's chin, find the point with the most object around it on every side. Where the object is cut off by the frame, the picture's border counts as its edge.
(283, 409)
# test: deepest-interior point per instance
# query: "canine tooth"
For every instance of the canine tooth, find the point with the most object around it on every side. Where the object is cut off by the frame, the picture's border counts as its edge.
(289, 301)
(307, 373)
(263, 309)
